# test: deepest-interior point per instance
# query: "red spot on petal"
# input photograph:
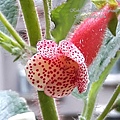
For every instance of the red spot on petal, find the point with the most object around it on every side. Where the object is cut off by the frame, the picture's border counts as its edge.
(38, 74)
(26, 67)
(39, 63)
(38, 81)
(33, 82)
(33, 59)
(37, 70)
(34, 64)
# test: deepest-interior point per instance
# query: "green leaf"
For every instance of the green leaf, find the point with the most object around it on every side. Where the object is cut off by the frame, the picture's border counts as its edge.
(108, 50)
(64, 16)
(118, 10)
(10, 9)
(113, 25)
(99, 3)
(17, 58)
(112, 2)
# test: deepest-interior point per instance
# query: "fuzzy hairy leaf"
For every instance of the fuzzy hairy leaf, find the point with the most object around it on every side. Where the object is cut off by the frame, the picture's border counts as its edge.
(64, 16)
(10, 9)
(11, 104)
(108, 50)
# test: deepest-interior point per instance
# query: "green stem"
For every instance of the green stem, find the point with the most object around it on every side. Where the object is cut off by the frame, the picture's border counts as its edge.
(48, 107)
(110, 104)
(94, 88)
(90, 103)
(8, 39)
(12, 30)
(31, 21)
(85, 105)
(47, 19)
(47, 104)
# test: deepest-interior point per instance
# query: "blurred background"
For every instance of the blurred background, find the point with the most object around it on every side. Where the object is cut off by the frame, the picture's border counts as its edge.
(12, 76)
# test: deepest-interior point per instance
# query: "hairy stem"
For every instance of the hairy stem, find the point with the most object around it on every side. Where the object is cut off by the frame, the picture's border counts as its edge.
(47, 19)
(31, 21)
(8, 39)
(85, 105)
(47, 106)
(50, 4)
(12, 30)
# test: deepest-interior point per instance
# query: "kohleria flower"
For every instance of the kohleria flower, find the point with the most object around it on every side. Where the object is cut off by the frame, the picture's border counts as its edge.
(57, 69)
(89, 35)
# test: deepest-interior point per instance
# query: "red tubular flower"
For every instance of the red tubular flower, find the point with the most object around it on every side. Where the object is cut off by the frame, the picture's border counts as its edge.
(57, 69)
(88, 37)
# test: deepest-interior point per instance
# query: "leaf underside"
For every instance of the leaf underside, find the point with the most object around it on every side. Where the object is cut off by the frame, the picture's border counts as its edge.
(11, 104)
(10, 9)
